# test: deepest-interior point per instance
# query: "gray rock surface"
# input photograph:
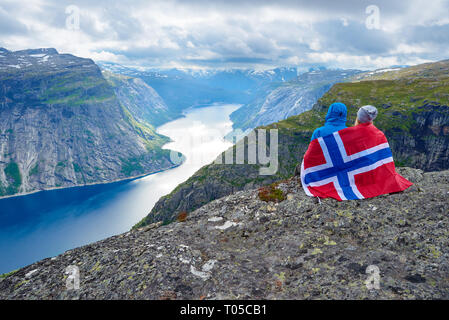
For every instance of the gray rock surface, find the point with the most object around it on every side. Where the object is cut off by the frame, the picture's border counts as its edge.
(239, 247)
(142, 101)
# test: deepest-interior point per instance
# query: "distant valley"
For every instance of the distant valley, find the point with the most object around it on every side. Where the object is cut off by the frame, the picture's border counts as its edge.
(184, 88)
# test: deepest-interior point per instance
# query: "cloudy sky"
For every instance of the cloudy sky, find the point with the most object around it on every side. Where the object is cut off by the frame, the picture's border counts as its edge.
(233, 33)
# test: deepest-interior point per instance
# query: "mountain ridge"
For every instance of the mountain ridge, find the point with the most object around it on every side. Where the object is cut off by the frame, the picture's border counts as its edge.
(62, 125)
(279, 101)
(182, 89)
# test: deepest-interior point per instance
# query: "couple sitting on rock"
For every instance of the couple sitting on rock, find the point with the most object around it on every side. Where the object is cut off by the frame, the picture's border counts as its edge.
(336, 119)
(350, 163)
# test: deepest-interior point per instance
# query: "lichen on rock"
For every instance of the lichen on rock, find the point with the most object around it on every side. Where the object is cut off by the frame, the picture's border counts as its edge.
(300, 250)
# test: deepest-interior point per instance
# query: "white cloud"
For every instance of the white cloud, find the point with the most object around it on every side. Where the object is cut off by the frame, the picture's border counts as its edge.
(233, 32)
(352, 61)
(107, 56)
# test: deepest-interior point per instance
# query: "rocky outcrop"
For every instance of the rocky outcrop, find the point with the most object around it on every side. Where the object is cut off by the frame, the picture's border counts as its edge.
(62, 125)
(240, 247)
(214, 181)
(426, 145)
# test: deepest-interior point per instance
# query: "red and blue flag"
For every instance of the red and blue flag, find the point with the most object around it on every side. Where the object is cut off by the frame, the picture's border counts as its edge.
(353, 163)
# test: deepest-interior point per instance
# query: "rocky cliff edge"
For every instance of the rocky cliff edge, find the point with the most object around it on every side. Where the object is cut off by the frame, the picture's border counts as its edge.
(240, 247)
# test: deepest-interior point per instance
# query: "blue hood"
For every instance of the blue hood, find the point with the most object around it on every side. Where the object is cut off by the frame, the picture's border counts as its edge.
(335, 121)
(337, 113)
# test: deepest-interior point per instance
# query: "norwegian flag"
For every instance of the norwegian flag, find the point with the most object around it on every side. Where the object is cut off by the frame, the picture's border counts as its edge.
(353, 163)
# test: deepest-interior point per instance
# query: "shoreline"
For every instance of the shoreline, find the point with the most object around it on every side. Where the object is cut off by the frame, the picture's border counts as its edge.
(119, 183)
(91, 184)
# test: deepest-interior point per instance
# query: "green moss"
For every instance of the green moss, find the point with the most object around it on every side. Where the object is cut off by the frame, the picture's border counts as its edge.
(76, 167)
(61, 164)
(403, 162)
(435, 253)
(14, 177)
(132, 166)
(97, 267)
(271, 193)
(34, 170)
(6, 275)
(166, 222)
(21, 283)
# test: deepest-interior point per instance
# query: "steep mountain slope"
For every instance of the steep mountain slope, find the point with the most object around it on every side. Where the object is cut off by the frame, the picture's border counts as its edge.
(239, 247)
(413, 106)
(142, 101)
(183, 88)
(62, 125)
(413, 113)
(279, 101)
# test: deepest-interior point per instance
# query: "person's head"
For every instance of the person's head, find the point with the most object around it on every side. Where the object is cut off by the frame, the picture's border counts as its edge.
(337, 112)
(366, 114)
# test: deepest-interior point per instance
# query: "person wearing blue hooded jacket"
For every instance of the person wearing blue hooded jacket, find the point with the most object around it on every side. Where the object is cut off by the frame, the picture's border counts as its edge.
(335, 120)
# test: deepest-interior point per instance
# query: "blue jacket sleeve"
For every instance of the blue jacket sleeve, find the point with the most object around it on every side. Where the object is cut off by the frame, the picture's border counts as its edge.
(316, 134)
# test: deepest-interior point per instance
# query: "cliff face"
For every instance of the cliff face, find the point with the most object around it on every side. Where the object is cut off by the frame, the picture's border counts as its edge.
(62, 125)
(142, 101)
(282, 100)
(240, 247)
(413, 113)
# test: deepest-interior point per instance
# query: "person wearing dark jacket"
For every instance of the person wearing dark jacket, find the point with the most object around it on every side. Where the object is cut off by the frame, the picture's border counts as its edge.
(335, 120)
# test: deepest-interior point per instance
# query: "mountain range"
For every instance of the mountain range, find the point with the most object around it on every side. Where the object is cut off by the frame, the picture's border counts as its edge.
(184, 88)
(66, 122)
(63, 124)
(280, 100)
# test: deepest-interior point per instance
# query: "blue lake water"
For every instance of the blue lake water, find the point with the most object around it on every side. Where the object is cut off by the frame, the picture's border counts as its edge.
(48, 223)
